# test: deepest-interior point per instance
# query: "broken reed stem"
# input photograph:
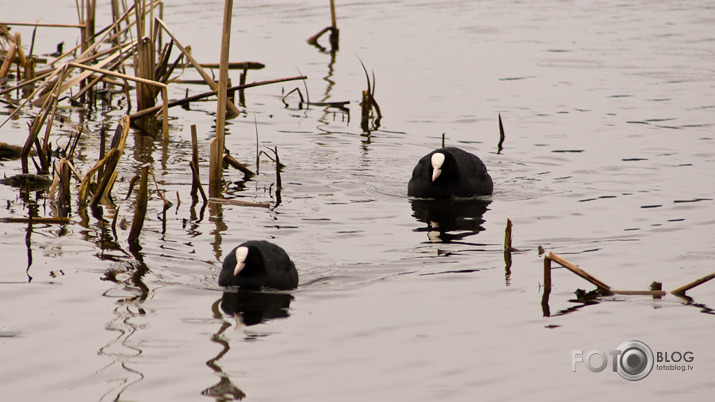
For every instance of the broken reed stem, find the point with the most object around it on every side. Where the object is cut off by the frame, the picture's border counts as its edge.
(334, 33)
(41, 24)
(239, 203)
(193, 98)
(576, 270)
(238, 165)
(681, 290)
(164, 92)
(197, 180)
(500, 145)
(233, 65)
(279, 184)
(547, 273)
(105, 184)
(160, 193)
(215, 168)
(195, 183)
(217, 150)
(507, 235)
(656, 293)
(85, 182)
(39, 220)
(64, 176)
(229, 105)
(140, 205)
(81, 57)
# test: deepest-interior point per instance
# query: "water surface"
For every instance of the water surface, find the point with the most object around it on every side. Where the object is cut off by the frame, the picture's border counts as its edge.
(608, 160)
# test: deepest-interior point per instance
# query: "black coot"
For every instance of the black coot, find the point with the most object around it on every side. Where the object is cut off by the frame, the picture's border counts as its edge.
(449, 172)
(255, 264)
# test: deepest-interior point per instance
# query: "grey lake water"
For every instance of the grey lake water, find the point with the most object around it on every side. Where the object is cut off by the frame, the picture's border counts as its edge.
(608, 110)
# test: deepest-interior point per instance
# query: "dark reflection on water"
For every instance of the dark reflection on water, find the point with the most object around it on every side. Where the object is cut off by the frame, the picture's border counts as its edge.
(249, 308)
(225, 389)
(465, 216)
(256, 307)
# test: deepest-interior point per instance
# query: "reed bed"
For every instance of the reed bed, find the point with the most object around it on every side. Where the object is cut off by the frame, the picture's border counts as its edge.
(129, 56)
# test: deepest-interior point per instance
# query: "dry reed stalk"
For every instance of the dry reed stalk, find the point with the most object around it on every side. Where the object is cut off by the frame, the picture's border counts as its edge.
(197, 179)
(82, 76)
(64, 196)
(9, 59)
(547, 288)
(140, 205)
(102, 77)
(38, 220)
(547, 273)
(84, 186)
(160, 193)
(215, 168)
(25, 83)
(576, 270)
(234, 65)
(218, 144)
(194, 162)
(501, 136)
(239, 203)
(334, 32)
(238, 165)
(42, 24)
(507, 236)
(681, 290)
(188, 99)
(279, 166)
(164, 92)
(229, 105)
(104, 185)
(37, 124)
(223, 77)
(655, 293)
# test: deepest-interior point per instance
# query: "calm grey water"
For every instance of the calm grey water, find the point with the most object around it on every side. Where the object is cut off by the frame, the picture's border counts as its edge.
(608, 110)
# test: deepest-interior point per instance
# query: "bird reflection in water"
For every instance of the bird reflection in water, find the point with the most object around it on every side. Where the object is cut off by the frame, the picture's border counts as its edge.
(254, 307)
(450, 220)
(248, 307)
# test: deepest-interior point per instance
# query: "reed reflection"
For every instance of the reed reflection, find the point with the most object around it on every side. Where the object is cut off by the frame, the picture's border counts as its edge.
(449, 220)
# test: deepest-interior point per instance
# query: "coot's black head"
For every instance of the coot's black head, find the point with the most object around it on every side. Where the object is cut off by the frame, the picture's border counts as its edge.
(449, 172)
(442, 167)
(256, 264)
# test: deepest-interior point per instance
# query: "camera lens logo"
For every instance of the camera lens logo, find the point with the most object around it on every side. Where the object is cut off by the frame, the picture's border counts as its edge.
(635, 361)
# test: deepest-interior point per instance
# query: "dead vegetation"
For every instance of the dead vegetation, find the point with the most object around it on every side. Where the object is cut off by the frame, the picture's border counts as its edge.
(126, 57)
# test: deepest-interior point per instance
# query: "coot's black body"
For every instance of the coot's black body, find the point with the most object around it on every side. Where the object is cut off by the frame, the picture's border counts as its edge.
(255, 264)
(453, 172)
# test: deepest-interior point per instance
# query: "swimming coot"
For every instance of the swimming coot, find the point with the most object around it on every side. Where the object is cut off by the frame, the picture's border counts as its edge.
(449, 172)
(255, 264)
